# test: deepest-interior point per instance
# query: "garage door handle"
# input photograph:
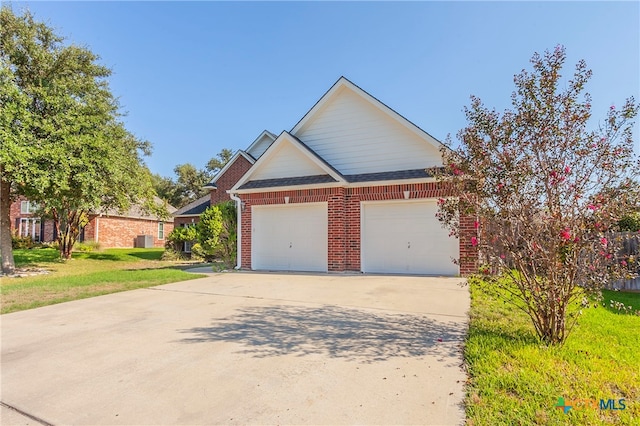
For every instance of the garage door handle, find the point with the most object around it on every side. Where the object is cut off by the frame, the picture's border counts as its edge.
(290, 245)
(409, 244)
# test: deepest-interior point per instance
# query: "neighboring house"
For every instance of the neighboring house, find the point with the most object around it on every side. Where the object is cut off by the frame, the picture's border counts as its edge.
(109, 228)
(347, 189)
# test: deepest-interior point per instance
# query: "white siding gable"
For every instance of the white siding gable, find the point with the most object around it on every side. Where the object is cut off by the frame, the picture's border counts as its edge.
(355, 136)
(258, 147)
(286, 160)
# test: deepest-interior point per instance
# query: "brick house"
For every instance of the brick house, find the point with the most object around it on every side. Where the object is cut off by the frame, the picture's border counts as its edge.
(223, 181)
(347, 189)
(110, 228)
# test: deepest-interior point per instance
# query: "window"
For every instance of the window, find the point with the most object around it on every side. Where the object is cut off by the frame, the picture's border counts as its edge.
(27, 207)
(161, 230)
(30, 227)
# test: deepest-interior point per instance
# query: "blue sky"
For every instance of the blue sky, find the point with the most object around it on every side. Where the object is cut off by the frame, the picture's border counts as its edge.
(196, 77)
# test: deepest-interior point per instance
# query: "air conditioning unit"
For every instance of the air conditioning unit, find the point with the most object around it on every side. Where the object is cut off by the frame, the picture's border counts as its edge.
(144, 241)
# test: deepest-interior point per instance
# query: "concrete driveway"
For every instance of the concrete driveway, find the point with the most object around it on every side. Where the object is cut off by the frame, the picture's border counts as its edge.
(242, 348)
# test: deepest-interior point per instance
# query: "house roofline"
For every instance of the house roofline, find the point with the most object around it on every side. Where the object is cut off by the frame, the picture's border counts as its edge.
(345, 82)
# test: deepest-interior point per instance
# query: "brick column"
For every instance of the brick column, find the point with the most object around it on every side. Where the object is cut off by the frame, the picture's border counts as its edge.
(468, 252)
(336, 231)
(246, 235)
(352, 232)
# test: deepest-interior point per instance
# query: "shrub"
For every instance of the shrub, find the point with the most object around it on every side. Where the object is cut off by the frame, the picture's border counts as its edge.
(87, 246)
(18, 242)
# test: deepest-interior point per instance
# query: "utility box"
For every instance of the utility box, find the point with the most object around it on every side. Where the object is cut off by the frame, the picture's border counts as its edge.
(144, 241)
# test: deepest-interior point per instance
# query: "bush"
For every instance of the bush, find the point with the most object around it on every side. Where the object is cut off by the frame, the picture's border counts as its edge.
(18, 242)
(171, 255)
(86, 246)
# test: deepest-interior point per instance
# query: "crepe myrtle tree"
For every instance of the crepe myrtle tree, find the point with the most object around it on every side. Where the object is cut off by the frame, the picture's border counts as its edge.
(548, 193)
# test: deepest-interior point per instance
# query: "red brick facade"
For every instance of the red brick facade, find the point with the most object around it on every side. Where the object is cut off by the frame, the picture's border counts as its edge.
(112, 231)
(344, 219)
(230, 177)
(121, 232)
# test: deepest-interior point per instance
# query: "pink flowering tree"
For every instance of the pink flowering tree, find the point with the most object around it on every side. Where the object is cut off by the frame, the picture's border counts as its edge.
(548, 193)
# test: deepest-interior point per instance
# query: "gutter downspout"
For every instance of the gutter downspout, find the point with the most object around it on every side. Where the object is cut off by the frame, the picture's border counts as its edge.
(238, 201)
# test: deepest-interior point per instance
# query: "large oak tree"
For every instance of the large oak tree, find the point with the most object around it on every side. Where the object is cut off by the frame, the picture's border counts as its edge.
(64, 145)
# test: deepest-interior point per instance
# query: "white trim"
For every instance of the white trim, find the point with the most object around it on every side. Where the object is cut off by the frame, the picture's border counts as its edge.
(264, 133)
(342, 84)
(238, 201)
(226, 167)
(285, 137)
(188, 215)
(158, 235)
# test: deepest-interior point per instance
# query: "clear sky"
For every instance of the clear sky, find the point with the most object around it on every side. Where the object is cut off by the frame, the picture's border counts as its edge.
(196, 77)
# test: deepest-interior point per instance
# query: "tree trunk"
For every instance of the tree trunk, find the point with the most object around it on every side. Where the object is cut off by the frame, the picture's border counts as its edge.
(68, 224)
(8, 265)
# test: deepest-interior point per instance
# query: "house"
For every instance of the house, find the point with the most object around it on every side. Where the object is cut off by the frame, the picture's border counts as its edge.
(224, 180)
(109, 228)
(347, 189)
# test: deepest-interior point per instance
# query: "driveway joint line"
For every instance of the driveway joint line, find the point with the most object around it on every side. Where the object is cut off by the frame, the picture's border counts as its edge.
(304, 302)
(24, 413)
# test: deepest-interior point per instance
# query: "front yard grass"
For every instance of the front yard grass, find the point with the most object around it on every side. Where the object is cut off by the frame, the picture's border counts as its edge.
(87, 274)
(514, 380)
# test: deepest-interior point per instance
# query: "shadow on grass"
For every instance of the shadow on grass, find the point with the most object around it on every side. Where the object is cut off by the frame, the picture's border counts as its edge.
(146, 255)
(334, 331)
(29, 257)
(96, 256)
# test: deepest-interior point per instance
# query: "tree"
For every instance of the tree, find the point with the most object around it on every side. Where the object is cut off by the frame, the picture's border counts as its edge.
(189, 181)
(64, 145)
(219, 161)
(217, 232)
(546, 191)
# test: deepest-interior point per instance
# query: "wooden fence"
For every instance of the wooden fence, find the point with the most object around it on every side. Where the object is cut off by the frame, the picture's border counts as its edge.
(630, 247)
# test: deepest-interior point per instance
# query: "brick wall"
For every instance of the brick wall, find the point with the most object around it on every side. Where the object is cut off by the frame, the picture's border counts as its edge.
(230, 177)
(122, 231)
(343, 206)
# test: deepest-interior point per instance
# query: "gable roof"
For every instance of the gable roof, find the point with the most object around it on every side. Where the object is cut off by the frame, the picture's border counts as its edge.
(261, 144)
(319, 167)
(343, 82)
(136, 211)
(194, 208)
(239, 153)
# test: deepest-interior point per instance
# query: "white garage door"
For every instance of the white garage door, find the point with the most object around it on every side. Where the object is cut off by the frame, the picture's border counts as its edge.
(406, 238)
(291, 237)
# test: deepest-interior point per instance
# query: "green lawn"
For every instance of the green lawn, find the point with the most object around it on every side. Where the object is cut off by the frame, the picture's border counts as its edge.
(87, 274)
(517, 381)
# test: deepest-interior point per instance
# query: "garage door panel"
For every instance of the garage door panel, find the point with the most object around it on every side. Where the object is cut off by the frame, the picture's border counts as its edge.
(289, 237)
(406, 237)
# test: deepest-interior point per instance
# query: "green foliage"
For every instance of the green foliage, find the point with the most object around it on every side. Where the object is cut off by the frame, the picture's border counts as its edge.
(545, 189)
(210, 228)
(87, 246)
(189, 181)
(64, 144)
(171, 255)
(18, 242)
(217, 233)
(630, 223)
(179, 236)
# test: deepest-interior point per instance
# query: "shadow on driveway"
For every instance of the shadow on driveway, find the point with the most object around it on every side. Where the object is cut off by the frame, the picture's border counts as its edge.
(334, 331)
